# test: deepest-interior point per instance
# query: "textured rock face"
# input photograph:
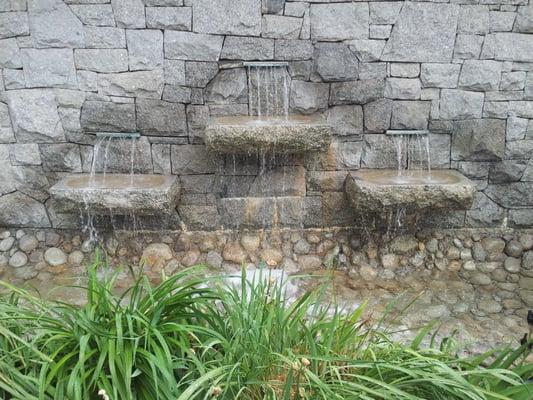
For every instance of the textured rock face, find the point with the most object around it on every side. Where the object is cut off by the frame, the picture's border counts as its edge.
(244, 135)
(34, 116)
(379, 190)
(123, 194)
(425, 33)
(165, 68)
(227, 17)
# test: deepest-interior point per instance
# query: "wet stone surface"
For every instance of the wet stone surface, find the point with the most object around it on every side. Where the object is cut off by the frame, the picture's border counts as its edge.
(478, 283)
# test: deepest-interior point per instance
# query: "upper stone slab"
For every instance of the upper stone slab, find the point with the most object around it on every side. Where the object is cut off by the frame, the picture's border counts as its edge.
(425, 32)
(227, 17)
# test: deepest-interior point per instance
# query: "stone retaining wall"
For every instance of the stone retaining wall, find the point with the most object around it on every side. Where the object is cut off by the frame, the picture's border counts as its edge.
(473, 273)
(462, 69)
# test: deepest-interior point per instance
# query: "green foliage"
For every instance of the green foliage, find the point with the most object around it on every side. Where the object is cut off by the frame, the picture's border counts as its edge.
(181, 340)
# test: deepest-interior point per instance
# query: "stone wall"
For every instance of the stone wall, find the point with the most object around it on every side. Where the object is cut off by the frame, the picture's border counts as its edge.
(458, 275)
(163, 67)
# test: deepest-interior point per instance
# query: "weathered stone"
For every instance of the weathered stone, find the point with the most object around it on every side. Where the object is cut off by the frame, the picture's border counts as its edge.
(425, 32)
(191, 159)
(179, 19)
(7, 243)
(440, 75)
(287, 49)
(481, 75)
(53, 24)
(229, 86)
(460, 104)
(75, 258)
(401, 88)
(18, 259)
(384, 12)
(240, 134)
(480, 140)
(508, 46)
(339, 21)
(410, 115)
(13, 24)
(174, 72)
(200, 217)
(214, 259)
(49, 68)
(34, 116)
(24, 154)
(346, 120)
(524, 19)
(473, 19)
(271, 257)
(61, 157)
(513, 80)
(377, 115)
(156, 255)
(356, 92)
(367, 50)
(233, 252)
(55, 256)
(335, 62)
(468, 46)
(501, 21)
(405, 70)
(161, 118)
(308, 97)
(507, 171)
(479, 278)
(129, 13)
(113, 192)
(489, 306)
(227, 17)
(101, 60)
(145, 49)
(192, 46)
(247, 48)
(94, 14)
(146, 84)
(376, 190)
(9, 54)
(13, 79)
(281, 27)
(103, 116)
(484, 212)
(17, 209)
(98, 37)
(517, 194)
(199, 74)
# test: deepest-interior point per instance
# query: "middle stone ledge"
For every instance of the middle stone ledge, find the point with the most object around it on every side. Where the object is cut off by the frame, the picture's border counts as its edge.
(376, 190)
(248, 135)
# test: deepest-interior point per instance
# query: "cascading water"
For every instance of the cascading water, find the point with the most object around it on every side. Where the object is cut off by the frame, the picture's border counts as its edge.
(97, 164)
(410, 148)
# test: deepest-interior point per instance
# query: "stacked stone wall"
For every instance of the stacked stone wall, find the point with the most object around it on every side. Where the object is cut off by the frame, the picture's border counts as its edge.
(69, 69)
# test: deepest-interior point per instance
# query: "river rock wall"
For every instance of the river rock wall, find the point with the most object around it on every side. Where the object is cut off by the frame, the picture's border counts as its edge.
(462, 69)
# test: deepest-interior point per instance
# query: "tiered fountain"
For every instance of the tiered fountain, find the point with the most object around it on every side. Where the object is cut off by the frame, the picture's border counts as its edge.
(410, 187)
(271, 136)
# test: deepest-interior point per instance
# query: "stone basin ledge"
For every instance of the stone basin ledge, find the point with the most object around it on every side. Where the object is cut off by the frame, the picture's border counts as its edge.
(376, 190)
(244, 135)
(121, 194)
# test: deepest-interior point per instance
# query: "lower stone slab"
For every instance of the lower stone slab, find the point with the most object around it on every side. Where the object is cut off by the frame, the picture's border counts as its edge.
(248, 135)
(141, 194)
(375, 190)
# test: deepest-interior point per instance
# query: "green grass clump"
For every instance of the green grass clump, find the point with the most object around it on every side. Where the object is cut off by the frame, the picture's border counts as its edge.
(182, 340)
